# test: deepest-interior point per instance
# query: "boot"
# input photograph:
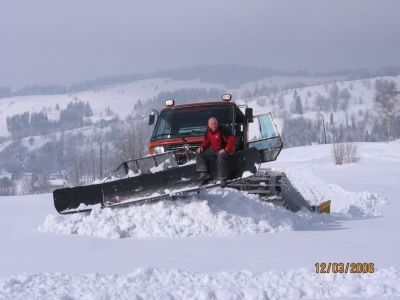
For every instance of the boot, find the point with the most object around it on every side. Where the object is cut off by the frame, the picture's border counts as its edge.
(204, 176)
(222, 183)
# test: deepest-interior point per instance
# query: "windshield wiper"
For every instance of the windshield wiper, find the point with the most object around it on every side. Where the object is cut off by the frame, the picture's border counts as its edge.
(170, 134)
(196, 131)
(180, 134)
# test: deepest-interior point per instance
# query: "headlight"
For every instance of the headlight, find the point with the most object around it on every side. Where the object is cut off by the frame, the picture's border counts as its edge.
(158, 149)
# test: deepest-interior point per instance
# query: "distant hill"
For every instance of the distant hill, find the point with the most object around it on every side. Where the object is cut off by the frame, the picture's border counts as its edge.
(232, 76)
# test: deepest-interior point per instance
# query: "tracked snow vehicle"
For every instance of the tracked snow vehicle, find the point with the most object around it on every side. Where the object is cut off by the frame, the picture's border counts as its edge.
(169, 171)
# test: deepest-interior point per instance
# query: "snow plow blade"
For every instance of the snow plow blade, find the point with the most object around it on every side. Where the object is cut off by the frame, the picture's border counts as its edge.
(110, 193)
(156, 176)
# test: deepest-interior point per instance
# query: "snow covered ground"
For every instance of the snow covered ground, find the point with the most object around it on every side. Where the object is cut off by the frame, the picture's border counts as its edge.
(153, 283)
(222, 244)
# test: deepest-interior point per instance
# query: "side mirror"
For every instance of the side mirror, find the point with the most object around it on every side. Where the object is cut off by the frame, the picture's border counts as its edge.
(249, 114)
(152, 117)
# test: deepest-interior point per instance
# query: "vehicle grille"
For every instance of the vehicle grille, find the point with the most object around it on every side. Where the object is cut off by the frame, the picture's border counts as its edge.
(177, 147)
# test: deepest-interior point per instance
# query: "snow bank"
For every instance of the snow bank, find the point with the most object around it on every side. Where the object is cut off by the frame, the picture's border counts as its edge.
(351, 204)
(174, 284)
(216, 212)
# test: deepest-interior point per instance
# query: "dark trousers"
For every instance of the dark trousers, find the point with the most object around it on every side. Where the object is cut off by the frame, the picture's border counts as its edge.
(222, 162)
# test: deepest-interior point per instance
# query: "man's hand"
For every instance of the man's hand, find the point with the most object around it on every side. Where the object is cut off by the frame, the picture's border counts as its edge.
(222, 151)
(199, 150)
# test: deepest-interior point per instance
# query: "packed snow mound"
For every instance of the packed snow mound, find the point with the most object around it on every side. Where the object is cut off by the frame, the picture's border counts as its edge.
(215, 212)
(175, 284)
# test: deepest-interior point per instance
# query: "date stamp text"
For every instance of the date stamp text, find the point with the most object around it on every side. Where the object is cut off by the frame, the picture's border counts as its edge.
(345, 267)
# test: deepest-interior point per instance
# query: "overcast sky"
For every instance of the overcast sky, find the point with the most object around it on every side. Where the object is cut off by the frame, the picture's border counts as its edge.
(64, 41)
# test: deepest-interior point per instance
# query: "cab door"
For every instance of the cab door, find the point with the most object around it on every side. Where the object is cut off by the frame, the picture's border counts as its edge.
(264, 136)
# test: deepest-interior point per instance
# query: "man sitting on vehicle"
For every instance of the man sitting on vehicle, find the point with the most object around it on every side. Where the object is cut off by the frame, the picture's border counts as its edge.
(218, 143)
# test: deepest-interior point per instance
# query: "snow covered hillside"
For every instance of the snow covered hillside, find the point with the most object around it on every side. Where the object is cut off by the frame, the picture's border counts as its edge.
(121, 98)
(221, 244)
(275, 94)
(355, 100)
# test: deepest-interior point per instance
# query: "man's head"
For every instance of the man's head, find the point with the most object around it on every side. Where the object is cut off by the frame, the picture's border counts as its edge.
(213, 124)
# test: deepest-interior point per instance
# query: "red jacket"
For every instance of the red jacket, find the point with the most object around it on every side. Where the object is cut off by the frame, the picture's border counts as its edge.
(220, 139)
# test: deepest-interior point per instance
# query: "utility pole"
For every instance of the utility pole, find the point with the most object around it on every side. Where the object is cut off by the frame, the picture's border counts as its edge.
(323, 124)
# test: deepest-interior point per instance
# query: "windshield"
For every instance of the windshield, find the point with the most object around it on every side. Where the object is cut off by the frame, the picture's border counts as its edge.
(190, 121)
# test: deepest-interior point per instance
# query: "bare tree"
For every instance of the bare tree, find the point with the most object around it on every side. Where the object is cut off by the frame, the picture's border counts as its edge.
(334, 96)
(25, 186)
(387, 107)
(92, 156)
(98, 138)
(344, 153)
(131, 141)
(74, 172)
(6, 187)
(39, 183)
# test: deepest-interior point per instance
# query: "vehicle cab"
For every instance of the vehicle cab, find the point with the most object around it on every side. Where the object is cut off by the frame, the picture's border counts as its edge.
(180, 127)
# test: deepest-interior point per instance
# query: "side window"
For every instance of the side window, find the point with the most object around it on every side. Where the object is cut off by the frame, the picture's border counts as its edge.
(267, 127)
(163, 128)
(262, 128)
(264, 136)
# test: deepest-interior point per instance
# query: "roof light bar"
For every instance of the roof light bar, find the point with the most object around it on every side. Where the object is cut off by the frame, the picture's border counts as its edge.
(170, 102)
(226, 97)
